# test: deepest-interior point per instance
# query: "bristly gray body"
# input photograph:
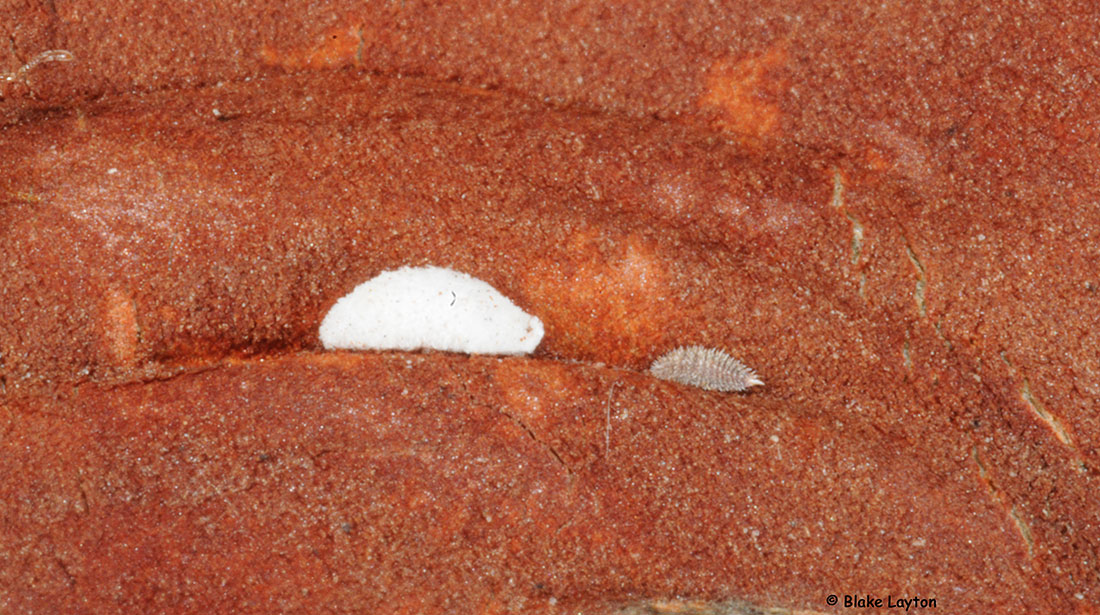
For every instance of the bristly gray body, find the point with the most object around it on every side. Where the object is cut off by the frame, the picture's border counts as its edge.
(706, 368)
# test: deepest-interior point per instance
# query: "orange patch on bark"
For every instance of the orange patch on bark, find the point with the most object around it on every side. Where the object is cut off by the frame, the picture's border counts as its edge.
(892, 150)
(739, 92)
(337, 47)
(531, 390)
(609, 299)
(120, 329)
(877, 160)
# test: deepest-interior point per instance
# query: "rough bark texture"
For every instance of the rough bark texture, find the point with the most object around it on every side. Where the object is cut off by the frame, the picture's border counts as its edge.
(889, 213)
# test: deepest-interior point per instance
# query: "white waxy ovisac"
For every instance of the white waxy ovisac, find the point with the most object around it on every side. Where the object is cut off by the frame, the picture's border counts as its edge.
(430, 308)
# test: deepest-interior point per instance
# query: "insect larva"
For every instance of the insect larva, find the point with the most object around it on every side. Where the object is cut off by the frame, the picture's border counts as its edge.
(706, 368)
(52, 55)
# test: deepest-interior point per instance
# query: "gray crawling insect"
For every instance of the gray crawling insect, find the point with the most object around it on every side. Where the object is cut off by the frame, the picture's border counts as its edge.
(706, 368)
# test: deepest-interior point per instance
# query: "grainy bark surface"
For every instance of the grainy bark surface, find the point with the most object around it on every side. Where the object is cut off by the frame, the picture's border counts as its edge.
(888, 212)
(335, 482)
